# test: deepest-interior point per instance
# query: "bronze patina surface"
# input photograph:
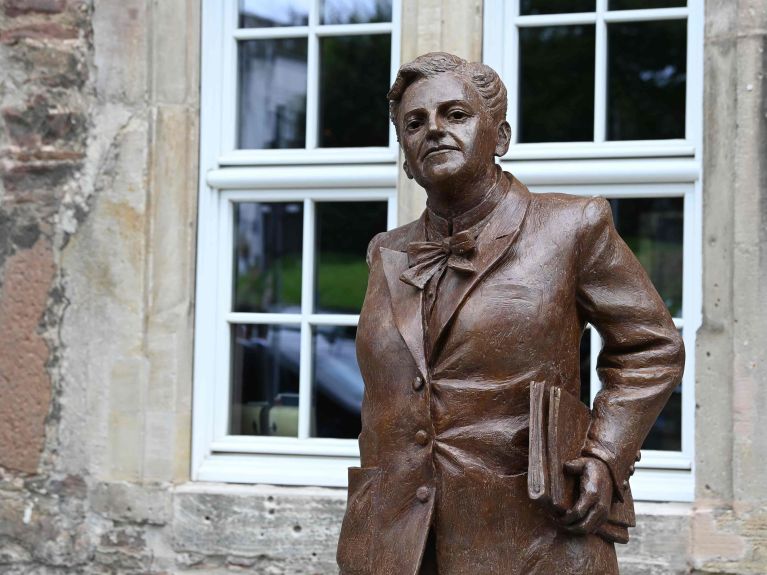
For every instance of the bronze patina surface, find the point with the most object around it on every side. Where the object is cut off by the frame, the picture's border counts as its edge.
(488, 291)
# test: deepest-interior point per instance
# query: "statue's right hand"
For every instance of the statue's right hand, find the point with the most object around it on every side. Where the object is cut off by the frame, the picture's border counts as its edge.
(596, 491)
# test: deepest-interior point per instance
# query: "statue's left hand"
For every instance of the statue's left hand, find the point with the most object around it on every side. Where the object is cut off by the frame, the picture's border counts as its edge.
(596, 495)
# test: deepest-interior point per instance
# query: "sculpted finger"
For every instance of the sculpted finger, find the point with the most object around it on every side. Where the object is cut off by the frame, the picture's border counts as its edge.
(576, 466)
(591, 523)
(579, 510)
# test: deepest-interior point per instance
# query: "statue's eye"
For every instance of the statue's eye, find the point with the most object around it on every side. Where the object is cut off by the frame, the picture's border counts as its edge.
(458, 115)
(413, 124)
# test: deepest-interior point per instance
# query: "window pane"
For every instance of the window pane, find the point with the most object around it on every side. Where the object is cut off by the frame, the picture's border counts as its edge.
(272, 93)
(647, 71)
(556, 93)
(527, 7)
(666, 434)
(354, 11)
(354, 80)
(337, 387)
(653, 228)
(639, 4)
(267, 257)
(260, 14)
(265, 362)
(343, 231)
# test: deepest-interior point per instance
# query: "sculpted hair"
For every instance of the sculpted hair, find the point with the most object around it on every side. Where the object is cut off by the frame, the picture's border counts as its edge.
(482, 77)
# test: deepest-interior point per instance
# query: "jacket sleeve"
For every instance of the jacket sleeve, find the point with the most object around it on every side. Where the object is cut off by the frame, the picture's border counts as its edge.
(642, 356)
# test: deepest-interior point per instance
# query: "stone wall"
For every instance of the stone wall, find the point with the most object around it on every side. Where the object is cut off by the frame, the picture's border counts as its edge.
(98, 179)
(98, 157)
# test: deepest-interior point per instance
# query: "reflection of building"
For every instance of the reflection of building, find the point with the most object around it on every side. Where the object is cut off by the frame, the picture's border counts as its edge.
(272, 99)
(103, 228)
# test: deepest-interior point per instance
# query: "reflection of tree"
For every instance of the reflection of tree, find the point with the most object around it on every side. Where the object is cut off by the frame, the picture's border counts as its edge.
(354, 78)
(555, 6)
(647, 76)
(556, 94)
(343, 232)
(637, 4)
(355, 11)
(653, 229)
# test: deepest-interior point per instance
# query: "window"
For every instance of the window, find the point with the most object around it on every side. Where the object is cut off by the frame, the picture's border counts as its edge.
(297, 174)
(605, 99)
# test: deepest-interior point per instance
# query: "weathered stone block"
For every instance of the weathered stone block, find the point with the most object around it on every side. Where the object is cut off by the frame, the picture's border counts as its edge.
(132, 503)
(290, 530)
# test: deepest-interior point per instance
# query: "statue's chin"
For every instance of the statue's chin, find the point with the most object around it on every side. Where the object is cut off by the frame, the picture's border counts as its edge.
(439, 175)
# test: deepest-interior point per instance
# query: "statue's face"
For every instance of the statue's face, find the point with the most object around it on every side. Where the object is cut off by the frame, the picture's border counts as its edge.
(445, 131)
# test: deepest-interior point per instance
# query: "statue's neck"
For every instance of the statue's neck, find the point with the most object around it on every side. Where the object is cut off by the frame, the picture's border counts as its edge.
(454, 200)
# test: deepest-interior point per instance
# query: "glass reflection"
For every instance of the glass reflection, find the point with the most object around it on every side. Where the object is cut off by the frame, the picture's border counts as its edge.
(353, 107)
(260, 14)
(343, 231)
(354, 11)
(640, 4)
(647, 72)
(556, 92)
(337, 388)
(265, 366)
(653, 228)
(527, 7)
(272, 93)
(267, 257)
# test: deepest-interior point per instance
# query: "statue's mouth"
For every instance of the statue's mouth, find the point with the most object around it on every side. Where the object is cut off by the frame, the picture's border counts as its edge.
(439, 150)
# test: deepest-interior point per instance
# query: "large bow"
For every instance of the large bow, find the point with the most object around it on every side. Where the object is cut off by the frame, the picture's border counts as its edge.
(428, 258)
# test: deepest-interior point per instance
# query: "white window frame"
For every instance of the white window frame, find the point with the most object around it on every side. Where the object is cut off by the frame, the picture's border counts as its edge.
(221, 36)
(500, 52)
(622, 169)
(228, 175)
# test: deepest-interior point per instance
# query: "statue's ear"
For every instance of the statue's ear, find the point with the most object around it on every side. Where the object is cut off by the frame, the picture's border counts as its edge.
(504, 138)
(406, 168)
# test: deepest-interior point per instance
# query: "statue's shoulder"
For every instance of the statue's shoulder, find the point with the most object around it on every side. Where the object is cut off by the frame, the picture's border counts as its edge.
(395, 239)
(567, 211)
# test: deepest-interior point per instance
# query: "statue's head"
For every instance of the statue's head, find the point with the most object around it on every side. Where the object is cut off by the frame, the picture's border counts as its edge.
(450, 117)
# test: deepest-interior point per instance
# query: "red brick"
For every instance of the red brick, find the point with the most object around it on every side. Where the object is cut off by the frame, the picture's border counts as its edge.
(37, 176)
(42, 31)
(19, 7)
(25, 384)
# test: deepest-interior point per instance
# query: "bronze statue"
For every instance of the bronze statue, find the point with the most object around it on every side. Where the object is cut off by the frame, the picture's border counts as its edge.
(468, 308)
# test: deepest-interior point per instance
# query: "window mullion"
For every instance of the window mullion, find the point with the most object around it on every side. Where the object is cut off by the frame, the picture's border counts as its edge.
(600, 74)
(512, 70)
(312, 78)
(307, 306)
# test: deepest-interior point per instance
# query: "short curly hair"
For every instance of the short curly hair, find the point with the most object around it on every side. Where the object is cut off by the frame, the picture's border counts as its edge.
(486, 81)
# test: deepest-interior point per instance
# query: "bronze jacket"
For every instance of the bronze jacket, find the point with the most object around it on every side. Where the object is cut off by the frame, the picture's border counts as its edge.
(444, 442)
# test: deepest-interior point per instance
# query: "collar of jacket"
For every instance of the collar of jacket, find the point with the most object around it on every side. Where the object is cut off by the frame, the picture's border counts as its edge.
(493, 243)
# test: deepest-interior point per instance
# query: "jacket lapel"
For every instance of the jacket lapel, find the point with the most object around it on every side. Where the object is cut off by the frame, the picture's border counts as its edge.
(493, 243)
(406, 300)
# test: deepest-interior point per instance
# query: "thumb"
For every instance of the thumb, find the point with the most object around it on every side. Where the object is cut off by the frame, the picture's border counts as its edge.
(575, 466)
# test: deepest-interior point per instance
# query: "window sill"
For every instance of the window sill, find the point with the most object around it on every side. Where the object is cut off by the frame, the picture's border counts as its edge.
(661, 485)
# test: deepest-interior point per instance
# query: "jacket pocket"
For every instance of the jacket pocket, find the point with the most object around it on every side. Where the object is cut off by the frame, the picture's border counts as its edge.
(353, 554)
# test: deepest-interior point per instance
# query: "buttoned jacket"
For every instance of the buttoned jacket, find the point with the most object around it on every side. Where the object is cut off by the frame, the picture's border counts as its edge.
(445, 418)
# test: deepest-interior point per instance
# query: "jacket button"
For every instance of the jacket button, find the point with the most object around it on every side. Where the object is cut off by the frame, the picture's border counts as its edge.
(423, 493)
(417, 383)
(626, 484)
(422, 438)
(638, 456)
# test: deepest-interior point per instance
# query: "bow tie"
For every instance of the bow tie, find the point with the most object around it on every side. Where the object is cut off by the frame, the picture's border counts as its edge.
(428, 258)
